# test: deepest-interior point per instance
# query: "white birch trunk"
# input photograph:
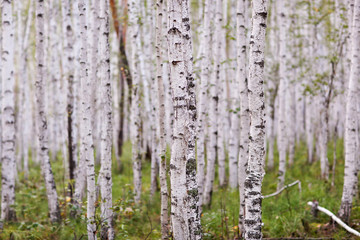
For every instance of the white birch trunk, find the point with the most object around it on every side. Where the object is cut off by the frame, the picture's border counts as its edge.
(241, 78)
(41, 115)
(68, 76)
(107, 231)
(282, 145)
(213, 108)
(80, 175)
(203, 98)
(87, 149)
(8, 167)
(351, 124)
(185, 213)
(164, 217)
(255, 170)
(135, 127)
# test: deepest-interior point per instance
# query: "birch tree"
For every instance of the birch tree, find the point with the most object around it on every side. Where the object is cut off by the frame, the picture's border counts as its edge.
(87, 148)
(135, 127)
(8, 166)
(255, 169)
(68, 69)
(282, 145)
(164, 218)
(185, 215)
(41, 115)
(213, 108)
(107, 231)
(351, 123)
(203, 98)
(241, 78)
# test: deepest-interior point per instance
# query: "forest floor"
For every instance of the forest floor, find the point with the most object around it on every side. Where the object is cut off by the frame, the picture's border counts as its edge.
(284, 215)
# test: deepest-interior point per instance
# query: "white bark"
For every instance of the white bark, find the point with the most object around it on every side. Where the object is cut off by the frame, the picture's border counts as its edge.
(107, 231)
(213, 108)
(351, 124)
(203, 98)
(281, 143)
(241, 78)
(223, 124)
(135, 128)
(41, 115)
(80, 175)
(164, 218)
(87, 149)
(336, 219)
(68, 76)
(8, 167)
(185, 213)
(93, 45)
(255, 170)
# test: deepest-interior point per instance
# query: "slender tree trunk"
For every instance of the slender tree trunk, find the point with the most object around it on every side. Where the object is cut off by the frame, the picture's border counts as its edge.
(107, 231)
(41, 116)
(25, 109)
(234, 91)
(255, 170)
(185, 213)
(164, 217)
(213, 109)
(281, 143)
(68, 70)
(202, 107)
(80, 171)
(135, 129)
(351, 124)
(8, 167)
(241, 77)
(87, 149)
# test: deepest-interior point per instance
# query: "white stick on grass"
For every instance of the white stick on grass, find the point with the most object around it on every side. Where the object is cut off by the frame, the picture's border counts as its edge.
(336, 219)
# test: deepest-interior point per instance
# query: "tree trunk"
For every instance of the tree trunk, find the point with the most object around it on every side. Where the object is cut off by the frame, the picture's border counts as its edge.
(255, 170)
(213, 109)
(351, 124)
(282, 144)
(41, 115)
(87, 148)
(8, 167)
(203, 99)
(68, 70)
(107, 231)
(185, 213)
(135, 129)
(241, 76)
(164, 217)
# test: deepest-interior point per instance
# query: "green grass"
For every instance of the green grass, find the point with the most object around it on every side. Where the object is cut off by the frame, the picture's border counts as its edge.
(285, 215)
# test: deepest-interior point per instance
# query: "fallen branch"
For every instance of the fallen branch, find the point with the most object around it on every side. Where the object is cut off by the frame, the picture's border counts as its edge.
(283, 188)
(336, 219)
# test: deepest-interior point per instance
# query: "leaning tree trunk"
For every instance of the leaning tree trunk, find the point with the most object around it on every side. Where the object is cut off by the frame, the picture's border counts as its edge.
(255, 170)
(41, 116)
(351, 124)
(135, 128)
(107, 231)
(164, 217)
(241, 77)
(8, 166)
(185, 213)
(87, 148)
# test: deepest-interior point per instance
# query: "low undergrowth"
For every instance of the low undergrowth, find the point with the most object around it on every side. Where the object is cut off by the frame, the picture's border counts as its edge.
(284, 215)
